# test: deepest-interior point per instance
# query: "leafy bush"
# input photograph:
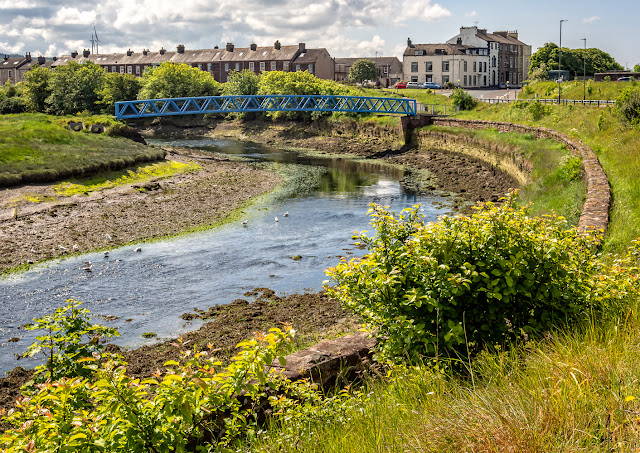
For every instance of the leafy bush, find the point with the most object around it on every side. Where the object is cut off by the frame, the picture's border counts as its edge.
(62, 343)
(539, 73)
(463, 99)
(448, 85)
(241, 83)
(74, 88)
(628, 105)
(170, 80)
(118, 87)
(538, 110)
(198, 406)
(13, 104)
(452, 287)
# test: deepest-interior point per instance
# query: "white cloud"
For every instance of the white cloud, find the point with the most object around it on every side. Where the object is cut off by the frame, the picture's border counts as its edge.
(588, 20)
(473, 13)
(73, 16)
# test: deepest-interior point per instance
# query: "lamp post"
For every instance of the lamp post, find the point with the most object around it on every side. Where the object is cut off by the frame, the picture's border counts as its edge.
(584, 71)
(560, 59)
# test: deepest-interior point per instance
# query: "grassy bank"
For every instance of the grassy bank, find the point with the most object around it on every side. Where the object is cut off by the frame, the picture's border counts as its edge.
(616, 146)
(607, 91)
(42, 148)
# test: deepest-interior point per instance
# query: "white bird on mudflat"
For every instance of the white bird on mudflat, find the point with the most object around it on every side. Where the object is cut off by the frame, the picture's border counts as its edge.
(108, 236)
(137, 249)
(106, 253)
(244, 222)
(276, 218)
(62, 247)
(286, 214)
(75, 247)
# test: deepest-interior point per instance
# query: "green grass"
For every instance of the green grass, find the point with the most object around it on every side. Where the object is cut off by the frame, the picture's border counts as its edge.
(423, 96)
(141, 173)
(41, 148)
(607, 91)
(616, 146)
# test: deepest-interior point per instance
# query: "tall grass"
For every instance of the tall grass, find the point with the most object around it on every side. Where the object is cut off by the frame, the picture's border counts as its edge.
(590, 89)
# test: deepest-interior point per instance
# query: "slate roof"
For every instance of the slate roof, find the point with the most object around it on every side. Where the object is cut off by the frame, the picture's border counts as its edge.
(430, 49)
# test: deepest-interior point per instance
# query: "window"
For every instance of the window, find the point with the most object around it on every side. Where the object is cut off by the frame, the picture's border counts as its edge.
(445, 67)
(310, 68)
(511, 61)
(429, 78)
(475, 80)
(273, 65)
(129, 70)
(493, 61)
(474, 66)
(113, 69)
(414, 78)
(445, 78)
(465, 67)
(237, 67)
(385, 69)
(252, 66)
(226, 67)
(9, 73)
(511, 48)
(485, 80)
(484, 65)
(209, 67)
(414, 66)
(465, 80)
(429, 66)
(200, 66)
(417, 52)
(138, 69)
(122, 69)
(262, 66)
(297, 68)
(285, 66)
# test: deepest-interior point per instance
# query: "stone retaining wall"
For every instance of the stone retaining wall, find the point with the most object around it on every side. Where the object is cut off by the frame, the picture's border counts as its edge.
(595, 211)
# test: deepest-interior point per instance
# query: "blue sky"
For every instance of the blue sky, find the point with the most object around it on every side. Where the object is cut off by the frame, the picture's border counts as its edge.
(345, 27)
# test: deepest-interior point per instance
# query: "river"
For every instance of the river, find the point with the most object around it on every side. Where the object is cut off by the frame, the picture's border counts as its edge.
(322, 202)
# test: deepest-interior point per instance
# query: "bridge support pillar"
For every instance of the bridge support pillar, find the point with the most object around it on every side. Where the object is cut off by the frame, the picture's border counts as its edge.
(409, 123)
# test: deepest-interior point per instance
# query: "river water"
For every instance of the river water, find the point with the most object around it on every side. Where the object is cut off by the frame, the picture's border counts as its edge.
(326, 200)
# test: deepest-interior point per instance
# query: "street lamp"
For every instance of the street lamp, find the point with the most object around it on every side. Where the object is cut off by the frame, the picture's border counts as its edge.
(560, 58)
(584, 71)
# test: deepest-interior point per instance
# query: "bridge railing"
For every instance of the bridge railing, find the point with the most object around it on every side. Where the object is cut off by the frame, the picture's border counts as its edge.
(438, 109)
(264, 103)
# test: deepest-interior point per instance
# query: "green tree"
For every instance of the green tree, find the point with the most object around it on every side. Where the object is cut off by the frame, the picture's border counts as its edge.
(242, 83)
(74, 88)
(539, 73)
(11, 99)
(170, 80)
(636, 68)
(573, 59)
(118, 87)
(628, 105)
(462, 99)
(363, 70)
(36, 88)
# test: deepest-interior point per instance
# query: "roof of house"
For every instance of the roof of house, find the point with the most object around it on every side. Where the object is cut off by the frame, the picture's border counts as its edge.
(431, 49)
(377, 60)
(12, 63)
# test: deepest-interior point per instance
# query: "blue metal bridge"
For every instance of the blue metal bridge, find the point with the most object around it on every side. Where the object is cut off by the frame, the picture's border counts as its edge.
(264, 103)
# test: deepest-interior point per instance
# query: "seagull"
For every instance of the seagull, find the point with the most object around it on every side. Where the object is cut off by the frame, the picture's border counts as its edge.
(87, 266)
(87, 263)
(62, 247)
(106, 253)
(137, 249)
(75, 247)
(276, 218)
(108, 236)
(244, 222)
(32, 251)
(286, 214)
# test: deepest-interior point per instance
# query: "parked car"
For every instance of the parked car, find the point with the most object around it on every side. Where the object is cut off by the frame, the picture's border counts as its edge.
(431, 85)
(413, 85)
(401, 85)
(624, 79)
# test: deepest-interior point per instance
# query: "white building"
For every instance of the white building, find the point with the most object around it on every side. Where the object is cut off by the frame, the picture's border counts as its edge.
(463, 65)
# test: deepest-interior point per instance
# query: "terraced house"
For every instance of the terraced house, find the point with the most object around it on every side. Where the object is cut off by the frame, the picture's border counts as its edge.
(218, 62)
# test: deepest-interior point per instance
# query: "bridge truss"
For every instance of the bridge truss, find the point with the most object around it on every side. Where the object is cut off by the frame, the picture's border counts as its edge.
(264, 103)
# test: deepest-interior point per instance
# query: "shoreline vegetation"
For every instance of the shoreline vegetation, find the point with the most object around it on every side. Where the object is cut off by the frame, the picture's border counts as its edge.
(583, 378)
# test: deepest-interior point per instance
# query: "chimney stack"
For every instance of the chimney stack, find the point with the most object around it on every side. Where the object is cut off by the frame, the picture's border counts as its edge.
(254, 47)
(129, 53)
(74, 54)
(276, 45)
(409, 44)
(145, 52)
(180, 48)
(162, 51)
(85, 53)
(28, 56)
(41, 60)
(229, 47)
(301, 47)
(55, 58)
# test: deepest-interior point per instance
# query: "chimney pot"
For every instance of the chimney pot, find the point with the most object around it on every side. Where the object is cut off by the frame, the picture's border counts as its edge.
(85, 53)
(276, 45)
(28, 56)
(254, 47)
(229, 47)
(129, 53)
(215, 47)
(180, 48)
(162, 51)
